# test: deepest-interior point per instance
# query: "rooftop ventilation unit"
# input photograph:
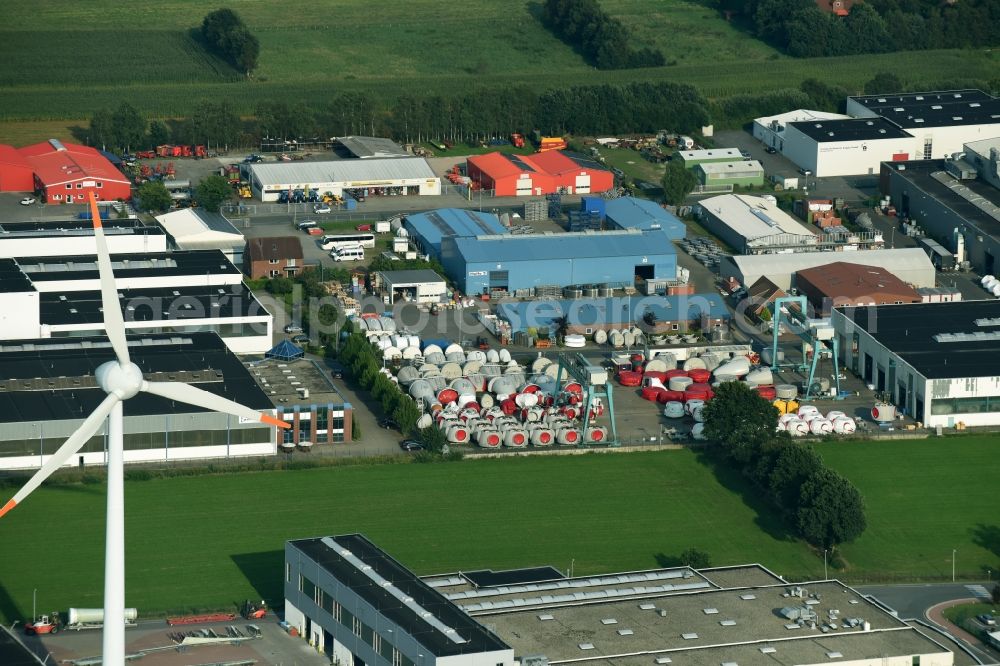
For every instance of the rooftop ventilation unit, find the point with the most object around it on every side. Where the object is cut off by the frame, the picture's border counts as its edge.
(663, 660)
(625, 632)
(609, 620)
(545, 617)
(748, 597)
(586, 646)
(767, 649)
(647, 606)
(690, 636)
(834, 655)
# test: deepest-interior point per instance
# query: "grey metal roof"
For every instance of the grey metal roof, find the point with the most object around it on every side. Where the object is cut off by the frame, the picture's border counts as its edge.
(342, 171)
(410, 277)
(571, 245)
(366, 147)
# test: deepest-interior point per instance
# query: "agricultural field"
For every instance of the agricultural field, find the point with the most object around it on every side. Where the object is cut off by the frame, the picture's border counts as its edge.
(205, 542)
(313, 51)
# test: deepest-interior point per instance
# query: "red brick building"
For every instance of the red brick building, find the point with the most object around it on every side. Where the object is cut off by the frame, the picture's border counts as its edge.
(843, 283)
(275, 256)
(68, 172)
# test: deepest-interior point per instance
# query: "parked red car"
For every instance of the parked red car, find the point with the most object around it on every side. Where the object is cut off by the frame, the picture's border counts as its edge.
(315, 231)
(364, 227)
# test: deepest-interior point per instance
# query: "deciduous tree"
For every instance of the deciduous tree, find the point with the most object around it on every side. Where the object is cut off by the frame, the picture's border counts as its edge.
(153, 195)
(212, 191)
(739, 421)
(831, 510)
(678, 182)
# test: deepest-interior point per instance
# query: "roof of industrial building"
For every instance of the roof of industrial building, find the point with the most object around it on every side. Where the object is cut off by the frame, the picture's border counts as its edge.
(896, 260)
(799, 115)
(983, 146)
(56, 162)
(974, 201)
(420, 276)
(434, 225)
(940, 340)
(753, 217)
(555, 162)
(613, 311)
(147, 264)
(634, 213)
(12, 278)
(157, 304)
(50, 228)
(196, 225)
(855, 129)
(734, 169)
(710, 627)
(14, 653)
(423, 612)
(367, 147)
(935, 109)
(11, 156)
(342, 171)
(571, 245)
(719, 154)
(843, 279)
(267, 248)
(53, 379)
(283, 380)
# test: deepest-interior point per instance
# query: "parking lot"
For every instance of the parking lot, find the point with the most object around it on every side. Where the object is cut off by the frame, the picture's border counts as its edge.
(153, 640)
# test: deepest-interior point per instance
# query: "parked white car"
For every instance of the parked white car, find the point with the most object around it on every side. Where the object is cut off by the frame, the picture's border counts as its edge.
(27, 201)
(321, 208)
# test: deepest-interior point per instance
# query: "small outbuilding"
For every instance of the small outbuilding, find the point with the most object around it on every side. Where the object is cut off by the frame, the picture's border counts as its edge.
(417, 286)
(269, 257)
(741, 173)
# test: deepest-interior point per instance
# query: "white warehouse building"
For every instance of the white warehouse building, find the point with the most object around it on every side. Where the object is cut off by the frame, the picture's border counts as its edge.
(412, 175)
(61, 238)
(744, 222)
(172, 293)
(934, 359)
(882, 128)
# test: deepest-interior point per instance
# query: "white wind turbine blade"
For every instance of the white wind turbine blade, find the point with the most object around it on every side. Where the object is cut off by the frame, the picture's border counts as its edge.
(114, 323)
(86, 430)
(200, 398)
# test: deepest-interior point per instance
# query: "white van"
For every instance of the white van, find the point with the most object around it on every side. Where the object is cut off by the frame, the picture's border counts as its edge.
(348, 254)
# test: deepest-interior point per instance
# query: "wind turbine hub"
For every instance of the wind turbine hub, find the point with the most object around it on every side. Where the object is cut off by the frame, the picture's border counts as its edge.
(123, 381)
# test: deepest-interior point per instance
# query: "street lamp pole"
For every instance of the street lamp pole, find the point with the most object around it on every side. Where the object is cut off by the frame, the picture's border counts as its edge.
(825, 575)
(953, 551)
(34, 606)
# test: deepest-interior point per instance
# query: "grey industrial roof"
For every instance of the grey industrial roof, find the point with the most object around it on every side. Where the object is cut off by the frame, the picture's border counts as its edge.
(855, 129)
(53, 379)
(924, 335)
(635, 213)
(752, 216)
(930, 177)
(572, 245)
(935, 109)
(190, 221)
(304, 372)
(45, 228)
(84, 267)
(342, 171)
(366, 147)
(904, 262)
(410, 277)
(426, 630)
(709, 627)
(736, 168)
(159, 304)
(12, 278)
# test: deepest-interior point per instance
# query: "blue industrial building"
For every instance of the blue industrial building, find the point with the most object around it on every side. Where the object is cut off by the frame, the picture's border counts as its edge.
(427, 229)
(632, 213)
(586, 315)
(511, 262)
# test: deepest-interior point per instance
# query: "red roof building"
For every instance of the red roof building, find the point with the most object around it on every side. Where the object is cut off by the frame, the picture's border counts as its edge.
(844, 283)
(68, 172)
(550, 172)
(16, 175)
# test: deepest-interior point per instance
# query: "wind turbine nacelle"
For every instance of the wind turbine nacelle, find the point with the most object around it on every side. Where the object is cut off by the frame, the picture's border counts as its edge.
(123, 381)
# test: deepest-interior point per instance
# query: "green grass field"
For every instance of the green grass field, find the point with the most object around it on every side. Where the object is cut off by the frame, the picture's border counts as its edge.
(313, 51)
(205, 542)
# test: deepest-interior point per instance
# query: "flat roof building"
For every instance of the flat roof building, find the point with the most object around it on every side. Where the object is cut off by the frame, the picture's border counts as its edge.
(691, 158)
(368, 147)
(908, 264)
(842, 283)
(743, 222)
(417, 286)
(61, 238)
(197, 229)
(935, 360)
(847, 147)
(536, 616)
(946, 207)
(484, 264)
(770, 130)
(400, 175)
(741, 173)
(47, 388)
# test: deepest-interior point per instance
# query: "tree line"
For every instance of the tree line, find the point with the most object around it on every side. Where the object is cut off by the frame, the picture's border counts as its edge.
(603, 41)
(225, 34)
(801, 29)
(817, 503)
(478, 116)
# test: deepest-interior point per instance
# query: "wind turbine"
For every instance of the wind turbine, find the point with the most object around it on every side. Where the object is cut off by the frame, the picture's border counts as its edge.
(121, 379)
